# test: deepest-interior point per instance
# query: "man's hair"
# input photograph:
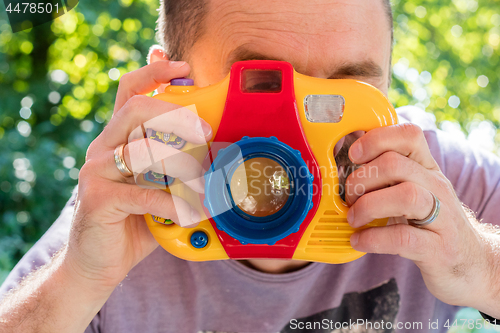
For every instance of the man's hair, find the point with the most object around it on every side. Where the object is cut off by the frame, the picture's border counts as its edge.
(181, 23)
(388, 10)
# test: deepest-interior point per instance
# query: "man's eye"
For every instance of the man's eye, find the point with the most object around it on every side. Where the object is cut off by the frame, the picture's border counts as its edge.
(264, 87)
(261, 81)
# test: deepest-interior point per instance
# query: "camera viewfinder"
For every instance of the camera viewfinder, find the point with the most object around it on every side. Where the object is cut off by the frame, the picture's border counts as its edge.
(261, 81)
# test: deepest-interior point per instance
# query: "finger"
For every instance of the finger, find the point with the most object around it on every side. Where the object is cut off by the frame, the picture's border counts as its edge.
(148, 78)
(132, 199)
(405, 139)
(149, 155)
(386, 170)
(401, 239)
(156, 53)
(146, 155)
(407, 200)
(142, 112)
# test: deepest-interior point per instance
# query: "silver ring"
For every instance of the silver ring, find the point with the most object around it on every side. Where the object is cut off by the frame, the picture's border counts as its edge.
(431, 217)
(120, 161)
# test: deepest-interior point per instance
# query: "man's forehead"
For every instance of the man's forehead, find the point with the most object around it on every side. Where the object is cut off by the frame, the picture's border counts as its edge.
(296, 24)
(296, 8)
(300, 16)
(320, 38)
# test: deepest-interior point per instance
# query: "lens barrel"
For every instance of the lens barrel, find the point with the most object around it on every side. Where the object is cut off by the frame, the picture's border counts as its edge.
(228, 209)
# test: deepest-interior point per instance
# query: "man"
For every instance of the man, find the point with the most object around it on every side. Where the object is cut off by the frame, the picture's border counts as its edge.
(112, 276)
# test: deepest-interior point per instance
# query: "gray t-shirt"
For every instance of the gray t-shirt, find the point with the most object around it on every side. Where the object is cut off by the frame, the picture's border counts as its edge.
(380, 293)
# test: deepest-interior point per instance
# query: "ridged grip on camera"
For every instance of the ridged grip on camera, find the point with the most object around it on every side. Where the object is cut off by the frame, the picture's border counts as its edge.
(327, 237)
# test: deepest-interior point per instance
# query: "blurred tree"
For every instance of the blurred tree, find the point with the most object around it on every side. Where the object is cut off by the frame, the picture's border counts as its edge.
(58, 82)
(446, 60)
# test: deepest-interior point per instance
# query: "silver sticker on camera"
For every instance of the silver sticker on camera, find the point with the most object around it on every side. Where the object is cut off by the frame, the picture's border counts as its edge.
(324, 108)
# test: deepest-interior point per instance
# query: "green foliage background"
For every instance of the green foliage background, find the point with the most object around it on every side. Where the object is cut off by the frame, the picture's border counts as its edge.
(56, 93)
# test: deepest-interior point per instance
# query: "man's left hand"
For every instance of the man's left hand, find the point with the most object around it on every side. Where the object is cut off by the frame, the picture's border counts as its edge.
(456, 261)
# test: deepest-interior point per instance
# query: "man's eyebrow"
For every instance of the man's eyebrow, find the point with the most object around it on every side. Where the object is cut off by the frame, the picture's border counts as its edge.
(367, 68)
(242, 53)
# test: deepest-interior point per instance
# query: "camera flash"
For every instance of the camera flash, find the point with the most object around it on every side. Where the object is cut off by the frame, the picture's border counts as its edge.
(324, 108)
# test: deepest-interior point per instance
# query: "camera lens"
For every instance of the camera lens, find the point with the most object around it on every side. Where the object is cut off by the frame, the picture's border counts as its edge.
(258, 190)
(260, 186)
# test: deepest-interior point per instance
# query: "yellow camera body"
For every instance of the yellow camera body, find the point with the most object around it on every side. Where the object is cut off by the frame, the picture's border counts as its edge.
(266, 110)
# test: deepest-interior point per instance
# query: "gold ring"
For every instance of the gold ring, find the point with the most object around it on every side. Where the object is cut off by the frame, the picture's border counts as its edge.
(120, 161)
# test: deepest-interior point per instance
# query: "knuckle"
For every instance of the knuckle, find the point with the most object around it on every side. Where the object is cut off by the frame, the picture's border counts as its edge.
(363, 205)
(125, 77)
(426, 204)
(147, 198)
(135, 102)
(85, 170)
(92, 149)
(369, 238)
(354, 177)
(351, 184)
(90, 170)
(183, 115)
(392, 163)
(125, 80)
(142, 197)
(406, 238)
(140, 152)
(411, 131)
(177, 113)
(443, 184)
(90, 194)
(154, 198)
(186, 162)
(168, 206)
(173, 118)
(411, 195)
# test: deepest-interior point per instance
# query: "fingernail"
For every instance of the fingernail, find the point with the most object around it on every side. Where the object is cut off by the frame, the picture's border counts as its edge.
(177, 64)
(204, 129)
(350, 216)
(356, 151)
(354, 238)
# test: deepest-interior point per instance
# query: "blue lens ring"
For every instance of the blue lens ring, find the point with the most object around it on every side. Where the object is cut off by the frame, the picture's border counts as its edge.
(247, 228)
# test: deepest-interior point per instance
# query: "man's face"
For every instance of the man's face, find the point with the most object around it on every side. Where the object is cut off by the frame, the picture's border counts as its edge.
(335, 39)
(332, 39)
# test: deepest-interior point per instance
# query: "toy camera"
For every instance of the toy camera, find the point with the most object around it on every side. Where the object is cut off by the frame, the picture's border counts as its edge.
(271, 189)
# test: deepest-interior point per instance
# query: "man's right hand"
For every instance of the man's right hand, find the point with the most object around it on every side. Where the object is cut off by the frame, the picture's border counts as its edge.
(109, 235)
